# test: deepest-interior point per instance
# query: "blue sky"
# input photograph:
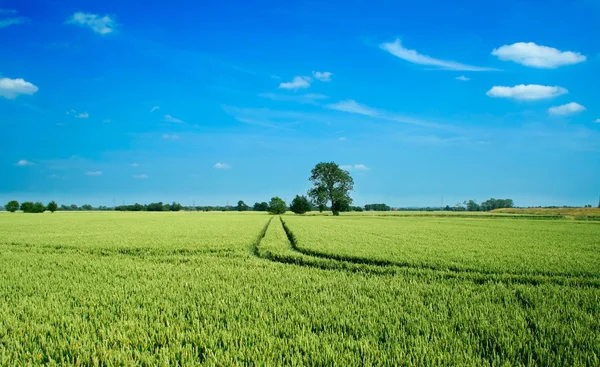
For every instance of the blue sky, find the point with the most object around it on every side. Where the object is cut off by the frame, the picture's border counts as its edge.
(214, 102)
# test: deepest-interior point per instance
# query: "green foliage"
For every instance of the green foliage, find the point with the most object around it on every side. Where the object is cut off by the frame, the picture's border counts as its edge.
(331, 184)
(277, 206)
(492, 204)
(377, 207)
(30, 207)
(261, 207)
(241, 206)
(12, 206)
(300, 205)
(52, 206)
(155, 207)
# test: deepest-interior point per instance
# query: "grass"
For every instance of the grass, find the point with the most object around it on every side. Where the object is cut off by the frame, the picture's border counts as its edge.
(232, 289)
(572, 213)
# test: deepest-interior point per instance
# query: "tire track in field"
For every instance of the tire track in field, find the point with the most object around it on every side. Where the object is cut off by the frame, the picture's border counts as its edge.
(261, 235)
(383, 267)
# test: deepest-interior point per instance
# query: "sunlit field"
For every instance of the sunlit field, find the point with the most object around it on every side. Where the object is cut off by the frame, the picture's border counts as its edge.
(194, 288)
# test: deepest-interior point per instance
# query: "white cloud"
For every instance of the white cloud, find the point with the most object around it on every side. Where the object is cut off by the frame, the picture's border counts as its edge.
(93, 173)
(82, 115)
(299, 82)
(12, 21)
(597, 121)
(462, 78)
(107, 121)
(135, 165)
(324, 76)
(543, 57)
(220, 165)
(12, 88)
(169, 118)
(530, 92)
(342, 138)
(566, 109)
(99, 24)
(396, 49)
(355, 167)
(142, 176)
(170, 137)
(71, 112)
(23, 163)
(154, 108)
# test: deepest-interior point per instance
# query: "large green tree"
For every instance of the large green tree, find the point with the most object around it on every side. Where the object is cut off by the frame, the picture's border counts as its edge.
(277, 206)
(331, 184)
(12, 206)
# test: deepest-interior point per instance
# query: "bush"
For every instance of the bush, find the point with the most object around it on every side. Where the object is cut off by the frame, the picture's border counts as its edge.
(300, 205)
(12, 206)
(277, 206)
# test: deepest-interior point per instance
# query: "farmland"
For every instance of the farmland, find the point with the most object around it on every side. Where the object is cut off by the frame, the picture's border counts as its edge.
(227, 288)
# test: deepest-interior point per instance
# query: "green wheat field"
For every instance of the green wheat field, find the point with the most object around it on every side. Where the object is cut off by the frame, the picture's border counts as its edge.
(189, 288)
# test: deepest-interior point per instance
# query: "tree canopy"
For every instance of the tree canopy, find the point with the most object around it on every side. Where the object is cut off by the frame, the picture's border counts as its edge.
(331, 184)
(277, 206)
(241, 206)
(261, 207)
(52, 206)
(29, 207)
(12, 206)
(300, 205)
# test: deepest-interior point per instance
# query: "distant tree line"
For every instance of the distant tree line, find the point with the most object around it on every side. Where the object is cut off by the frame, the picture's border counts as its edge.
(152, 207)
(31, 207)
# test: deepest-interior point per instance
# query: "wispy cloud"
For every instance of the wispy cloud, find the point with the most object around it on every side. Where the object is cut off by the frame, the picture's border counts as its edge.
(135, 164)
(530, 92)
(324, 76)
(299, 82)
(395, 48)
(142, 176)
(462, 78)
(342, 138)
(354, 107)
(12, 21)
(542, 57)
(170, 137)
(566, 109)
(169, 118)
(82, 115)
(23, 163)
(304, 98)
(220, 165)
(100, 24)
(354, 167)
(93, 173)
(8, 11)
(154, 108)
(12, 88)
(597, 121)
